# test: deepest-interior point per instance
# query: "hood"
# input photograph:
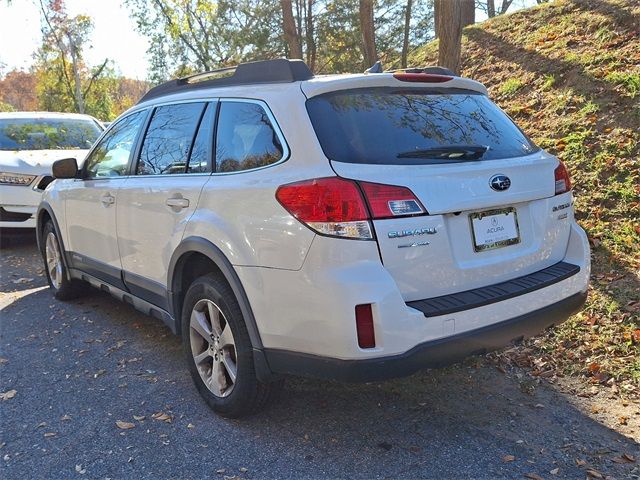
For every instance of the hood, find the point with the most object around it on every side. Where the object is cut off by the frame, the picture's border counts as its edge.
(36, 162)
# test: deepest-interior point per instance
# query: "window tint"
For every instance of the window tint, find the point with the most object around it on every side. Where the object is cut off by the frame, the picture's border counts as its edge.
(110, 158)
(168, 139)
(47, 134)
(201, 151)
(245, 139)
(389, 126)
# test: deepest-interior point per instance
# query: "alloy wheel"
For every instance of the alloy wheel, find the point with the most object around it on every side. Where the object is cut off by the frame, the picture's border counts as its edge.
(213, 348)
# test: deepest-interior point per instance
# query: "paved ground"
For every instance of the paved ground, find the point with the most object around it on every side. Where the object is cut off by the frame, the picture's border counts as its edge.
(79, 367)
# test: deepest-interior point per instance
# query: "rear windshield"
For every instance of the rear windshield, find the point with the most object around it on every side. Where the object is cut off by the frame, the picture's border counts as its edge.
(391, 126)
(47, 134)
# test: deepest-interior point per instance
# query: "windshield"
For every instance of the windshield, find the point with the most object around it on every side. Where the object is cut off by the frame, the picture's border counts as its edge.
(47, 134)
(404, 127)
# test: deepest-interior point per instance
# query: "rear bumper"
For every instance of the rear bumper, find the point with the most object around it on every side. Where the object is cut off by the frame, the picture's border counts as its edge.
(436, 353)
(18, 205)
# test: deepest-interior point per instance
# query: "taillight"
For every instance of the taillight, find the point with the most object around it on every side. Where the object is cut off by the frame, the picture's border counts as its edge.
(335, 206)
(422, 77)
(390, 201)
(563, 182)
(330, 206)
(364, 326)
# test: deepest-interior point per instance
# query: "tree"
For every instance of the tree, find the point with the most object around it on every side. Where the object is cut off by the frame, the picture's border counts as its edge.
(18, 89)
(468, 12)
(290, 32)
(449, 27)
(61, 51)
(197, 35)
(405, 36)
(368, 31)
(489, 6)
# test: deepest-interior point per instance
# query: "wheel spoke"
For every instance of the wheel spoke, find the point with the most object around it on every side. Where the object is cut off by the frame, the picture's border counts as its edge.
(230, 366)
(226, 337)
(214, 316)
(216, 380)
(202, 356)
(200, 325)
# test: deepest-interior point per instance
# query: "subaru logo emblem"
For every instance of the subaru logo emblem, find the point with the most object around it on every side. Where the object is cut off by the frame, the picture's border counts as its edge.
(500, 182)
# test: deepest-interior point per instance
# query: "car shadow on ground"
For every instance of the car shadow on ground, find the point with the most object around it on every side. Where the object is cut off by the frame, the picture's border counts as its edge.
(97, 360)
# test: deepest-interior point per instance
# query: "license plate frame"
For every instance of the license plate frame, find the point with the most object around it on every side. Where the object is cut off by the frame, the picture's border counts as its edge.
(491, 241)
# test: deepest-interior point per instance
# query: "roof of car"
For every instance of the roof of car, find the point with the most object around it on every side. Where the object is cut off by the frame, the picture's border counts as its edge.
(59, 115)
(283, 72)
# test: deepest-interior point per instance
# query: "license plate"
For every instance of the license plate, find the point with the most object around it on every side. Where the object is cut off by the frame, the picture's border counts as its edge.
(494, 229)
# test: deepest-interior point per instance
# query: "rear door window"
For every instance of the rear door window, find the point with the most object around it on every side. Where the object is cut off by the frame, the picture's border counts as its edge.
(391, 126)
(167, 143)
(246, 138)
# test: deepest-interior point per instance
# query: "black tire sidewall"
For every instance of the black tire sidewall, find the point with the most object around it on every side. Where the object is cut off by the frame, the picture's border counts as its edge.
(245, 388)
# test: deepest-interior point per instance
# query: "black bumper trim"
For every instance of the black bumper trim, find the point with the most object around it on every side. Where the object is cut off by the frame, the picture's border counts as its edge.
(433, 354)
(478, 297)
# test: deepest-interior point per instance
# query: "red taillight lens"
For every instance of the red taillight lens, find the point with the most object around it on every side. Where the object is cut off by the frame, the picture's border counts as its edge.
(364, 326)
(331, 206)
(563, 182)
(390, 201)
(422, 77)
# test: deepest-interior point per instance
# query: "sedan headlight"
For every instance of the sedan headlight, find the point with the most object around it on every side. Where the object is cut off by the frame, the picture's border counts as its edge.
(7, 178)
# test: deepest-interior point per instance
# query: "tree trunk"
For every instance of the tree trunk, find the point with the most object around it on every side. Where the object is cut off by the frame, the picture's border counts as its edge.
(491, 8)
(77, 85)
(449, 22)
(405, 40)
(436, 15)
(310, 40)
(368, 32)
(468, 12)
(289, 27)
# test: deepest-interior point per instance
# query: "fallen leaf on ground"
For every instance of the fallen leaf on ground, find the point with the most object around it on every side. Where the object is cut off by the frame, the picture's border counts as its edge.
(8, 395)
(50, 434)
(164, 417)
(221, 471)
(508, 458)
(81, 470)
(533, 476)
(244, 469)
(580, 463)
(139, 417)
(124, 425)
(594, 473)
(628, 457)
(65, 418)
(554, 471)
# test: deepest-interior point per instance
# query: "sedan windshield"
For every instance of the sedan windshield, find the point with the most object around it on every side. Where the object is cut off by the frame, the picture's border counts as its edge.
(47, 134)
(414, 126)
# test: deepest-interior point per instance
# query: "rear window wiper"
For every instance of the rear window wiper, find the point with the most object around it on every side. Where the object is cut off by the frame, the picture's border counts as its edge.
(448, 152)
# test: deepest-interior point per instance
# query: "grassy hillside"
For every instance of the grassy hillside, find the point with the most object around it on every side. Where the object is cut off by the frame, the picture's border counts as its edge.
(568, 72)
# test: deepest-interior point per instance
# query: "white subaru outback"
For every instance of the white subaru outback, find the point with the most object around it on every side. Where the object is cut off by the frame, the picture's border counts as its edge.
(353, 227)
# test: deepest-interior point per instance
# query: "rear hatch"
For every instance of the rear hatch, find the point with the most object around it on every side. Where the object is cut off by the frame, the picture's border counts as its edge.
(487, 190)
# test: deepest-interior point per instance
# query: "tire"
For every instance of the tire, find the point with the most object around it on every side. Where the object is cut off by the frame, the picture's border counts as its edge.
(219, 350)
(55, 269)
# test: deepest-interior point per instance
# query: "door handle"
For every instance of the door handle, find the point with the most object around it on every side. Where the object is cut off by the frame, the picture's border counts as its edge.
(107, 199)
(177, 203)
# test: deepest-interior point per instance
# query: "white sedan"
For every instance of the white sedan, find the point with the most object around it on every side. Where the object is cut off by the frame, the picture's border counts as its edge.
(29, 143)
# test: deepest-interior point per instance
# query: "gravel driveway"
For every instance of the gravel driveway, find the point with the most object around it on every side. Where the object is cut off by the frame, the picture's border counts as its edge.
(77, 368)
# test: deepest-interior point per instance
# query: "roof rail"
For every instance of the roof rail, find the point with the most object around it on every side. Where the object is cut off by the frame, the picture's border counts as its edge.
(280, 70)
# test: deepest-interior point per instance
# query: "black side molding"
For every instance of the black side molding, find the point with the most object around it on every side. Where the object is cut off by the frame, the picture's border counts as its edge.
(457, 302)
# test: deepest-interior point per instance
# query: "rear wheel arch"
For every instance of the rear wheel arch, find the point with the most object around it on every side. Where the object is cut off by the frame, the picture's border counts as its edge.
(195, 257)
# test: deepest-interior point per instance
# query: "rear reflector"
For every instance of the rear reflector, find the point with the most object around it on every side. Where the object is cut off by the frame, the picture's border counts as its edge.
(422, 77)
(391, 201)
(330, 206)
(364, 326)
(563, 181)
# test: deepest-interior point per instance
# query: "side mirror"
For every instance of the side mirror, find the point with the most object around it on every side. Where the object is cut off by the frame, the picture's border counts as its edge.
(65, 168)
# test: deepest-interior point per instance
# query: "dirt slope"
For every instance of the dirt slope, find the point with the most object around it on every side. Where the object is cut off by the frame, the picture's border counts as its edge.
(568, 72)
